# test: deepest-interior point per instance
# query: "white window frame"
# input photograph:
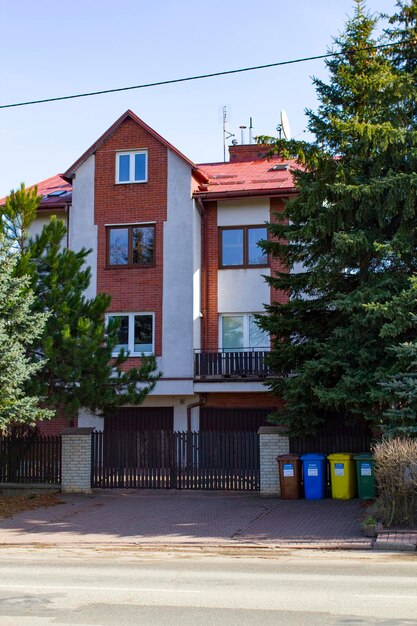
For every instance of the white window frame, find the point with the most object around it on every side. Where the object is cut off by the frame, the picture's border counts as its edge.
(246, 345)
(131, 332)
(131, 154)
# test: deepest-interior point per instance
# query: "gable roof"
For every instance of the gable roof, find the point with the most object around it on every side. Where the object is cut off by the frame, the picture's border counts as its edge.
(69, 174)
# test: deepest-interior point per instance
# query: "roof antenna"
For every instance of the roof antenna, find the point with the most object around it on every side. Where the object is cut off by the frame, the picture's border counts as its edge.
(226, 134)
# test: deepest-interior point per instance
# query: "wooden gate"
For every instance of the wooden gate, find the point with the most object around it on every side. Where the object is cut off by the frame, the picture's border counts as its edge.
(176, 460)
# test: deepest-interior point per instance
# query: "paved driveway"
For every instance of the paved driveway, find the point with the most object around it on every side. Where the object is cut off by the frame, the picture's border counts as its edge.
(168, 517)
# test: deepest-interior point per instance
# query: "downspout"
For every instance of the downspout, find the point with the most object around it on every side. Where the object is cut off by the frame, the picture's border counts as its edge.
(201, 402)
(67, 211)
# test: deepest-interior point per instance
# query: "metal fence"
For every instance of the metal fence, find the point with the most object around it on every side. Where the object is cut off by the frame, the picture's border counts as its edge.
(29, 459)
(176, 460)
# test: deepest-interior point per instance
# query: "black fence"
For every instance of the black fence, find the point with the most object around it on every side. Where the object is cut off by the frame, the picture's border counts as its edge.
(334, 437)
(176, 460)
(30, 459)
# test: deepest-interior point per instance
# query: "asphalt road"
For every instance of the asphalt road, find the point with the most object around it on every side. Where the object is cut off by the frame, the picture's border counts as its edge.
(120, 588)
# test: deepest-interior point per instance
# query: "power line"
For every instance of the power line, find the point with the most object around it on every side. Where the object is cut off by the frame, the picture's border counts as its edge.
(190, 78)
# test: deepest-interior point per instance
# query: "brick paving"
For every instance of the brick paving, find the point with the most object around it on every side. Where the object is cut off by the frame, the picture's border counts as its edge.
(177, 518)
(397, 540)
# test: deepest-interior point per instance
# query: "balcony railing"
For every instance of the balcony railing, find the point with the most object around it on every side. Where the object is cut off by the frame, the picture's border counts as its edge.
(248, 363)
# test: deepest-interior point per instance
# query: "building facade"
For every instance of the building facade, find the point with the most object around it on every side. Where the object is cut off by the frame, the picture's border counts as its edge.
(175, 245)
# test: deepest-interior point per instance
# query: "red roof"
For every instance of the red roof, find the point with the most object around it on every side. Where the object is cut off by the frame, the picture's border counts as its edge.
(258, 177)
(55, 191)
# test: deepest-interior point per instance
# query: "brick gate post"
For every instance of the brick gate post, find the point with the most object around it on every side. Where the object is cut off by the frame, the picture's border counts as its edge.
(76, 460)
(273, 441)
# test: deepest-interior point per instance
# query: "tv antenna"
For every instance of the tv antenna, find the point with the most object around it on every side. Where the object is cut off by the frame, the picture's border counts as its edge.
(283, 127)
(226, 134)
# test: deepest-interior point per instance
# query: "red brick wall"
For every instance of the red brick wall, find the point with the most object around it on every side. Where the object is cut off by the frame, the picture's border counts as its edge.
(56, 425)
(243, 400)
(247, 152)
(140, 288)
(210, 263)
(276, 206)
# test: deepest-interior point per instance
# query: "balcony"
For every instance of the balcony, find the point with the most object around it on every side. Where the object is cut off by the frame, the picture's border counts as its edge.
(245, 364)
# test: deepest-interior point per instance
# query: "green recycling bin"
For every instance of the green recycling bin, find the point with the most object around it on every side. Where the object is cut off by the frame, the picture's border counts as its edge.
(365, 476)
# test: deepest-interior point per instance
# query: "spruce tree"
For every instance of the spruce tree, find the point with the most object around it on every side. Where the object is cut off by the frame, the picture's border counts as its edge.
(20, 328)
(399, 314)
(17, 214)
(348, 239)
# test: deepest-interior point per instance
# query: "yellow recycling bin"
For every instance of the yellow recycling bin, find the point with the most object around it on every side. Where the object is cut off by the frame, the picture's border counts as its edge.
(342, 476)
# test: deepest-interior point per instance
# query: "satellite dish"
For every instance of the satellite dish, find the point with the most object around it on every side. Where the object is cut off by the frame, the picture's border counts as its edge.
(285, 125)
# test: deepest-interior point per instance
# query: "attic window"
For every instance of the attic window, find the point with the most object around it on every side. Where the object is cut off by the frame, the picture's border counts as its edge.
(59, 192)
(280, 167)
(132, 167)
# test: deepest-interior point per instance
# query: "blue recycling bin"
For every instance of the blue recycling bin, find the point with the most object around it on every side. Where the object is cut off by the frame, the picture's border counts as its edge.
(314, 472)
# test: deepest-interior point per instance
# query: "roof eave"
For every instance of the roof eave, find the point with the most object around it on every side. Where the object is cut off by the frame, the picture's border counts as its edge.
(54, 205)
(217, 195)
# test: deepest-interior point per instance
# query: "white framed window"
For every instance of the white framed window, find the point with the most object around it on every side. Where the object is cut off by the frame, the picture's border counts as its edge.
(136, 333)
(239, 331)
(132, 167)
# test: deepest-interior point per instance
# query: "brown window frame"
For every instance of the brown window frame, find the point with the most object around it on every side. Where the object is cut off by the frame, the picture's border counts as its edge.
(130, 263)
(245, 264)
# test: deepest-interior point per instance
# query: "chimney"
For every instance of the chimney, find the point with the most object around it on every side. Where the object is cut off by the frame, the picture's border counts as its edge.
(247, 152)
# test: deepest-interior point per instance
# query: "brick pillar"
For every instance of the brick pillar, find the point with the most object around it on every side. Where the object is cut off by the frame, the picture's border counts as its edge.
(76, 460)
(273, 441)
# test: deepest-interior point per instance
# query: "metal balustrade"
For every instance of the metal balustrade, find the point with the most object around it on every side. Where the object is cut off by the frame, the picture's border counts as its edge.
(237, 364)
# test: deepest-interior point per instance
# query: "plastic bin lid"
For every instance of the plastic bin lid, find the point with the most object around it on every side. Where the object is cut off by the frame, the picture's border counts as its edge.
(366, 456)
(313, 457)
(288, 457)
(340, 456)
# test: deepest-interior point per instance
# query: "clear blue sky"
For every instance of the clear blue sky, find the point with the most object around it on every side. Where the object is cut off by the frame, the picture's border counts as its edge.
(50, 48)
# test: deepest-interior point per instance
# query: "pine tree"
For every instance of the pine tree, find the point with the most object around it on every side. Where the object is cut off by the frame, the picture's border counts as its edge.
(348, 239)
(79, 370)
(20, 327)
(71, 354)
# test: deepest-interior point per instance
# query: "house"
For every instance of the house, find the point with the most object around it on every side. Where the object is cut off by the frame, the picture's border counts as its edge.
(175, 245)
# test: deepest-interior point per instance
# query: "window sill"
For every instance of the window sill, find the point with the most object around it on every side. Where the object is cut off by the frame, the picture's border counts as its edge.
(242, 267)
(133, 355)
(129, 267)
(130, 182)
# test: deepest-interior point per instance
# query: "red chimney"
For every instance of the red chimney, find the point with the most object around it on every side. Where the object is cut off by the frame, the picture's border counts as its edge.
(248, 152)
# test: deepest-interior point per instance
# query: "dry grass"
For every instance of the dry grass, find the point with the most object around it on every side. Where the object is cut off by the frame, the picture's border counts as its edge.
(12, 504)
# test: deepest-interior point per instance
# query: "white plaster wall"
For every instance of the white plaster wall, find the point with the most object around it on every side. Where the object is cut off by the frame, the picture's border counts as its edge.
(88, 419)
(82, 230)
(197, 278)
(230, 387)
(243, 211)
(243, 291)
(178, 268)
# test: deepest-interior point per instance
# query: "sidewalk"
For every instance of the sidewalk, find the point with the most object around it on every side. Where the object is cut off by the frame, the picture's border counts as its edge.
(189, 518)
